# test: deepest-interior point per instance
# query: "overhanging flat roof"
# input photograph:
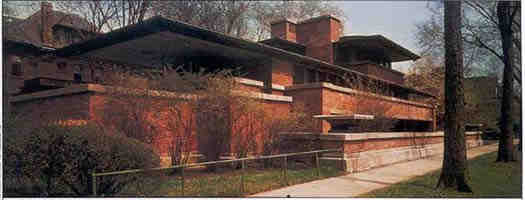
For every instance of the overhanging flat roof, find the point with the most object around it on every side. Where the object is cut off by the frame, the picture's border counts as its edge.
(380, 44)
(146, 42)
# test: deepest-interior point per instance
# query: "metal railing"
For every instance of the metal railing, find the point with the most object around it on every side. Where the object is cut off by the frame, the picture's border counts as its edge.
(93, 185)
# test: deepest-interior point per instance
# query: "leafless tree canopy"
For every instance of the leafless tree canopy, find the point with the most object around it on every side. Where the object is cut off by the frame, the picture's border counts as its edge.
(243, 19)
(482, 46)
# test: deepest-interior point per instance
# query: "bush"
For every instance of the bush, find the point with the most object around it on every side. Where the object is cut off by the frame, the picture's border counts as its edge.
(57, 161)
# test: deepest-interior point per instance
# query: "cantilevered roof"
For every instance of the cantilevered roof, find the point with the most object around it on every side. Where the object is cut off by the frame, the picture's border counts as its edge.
(144, 43)
(379, 44)
(285, 44)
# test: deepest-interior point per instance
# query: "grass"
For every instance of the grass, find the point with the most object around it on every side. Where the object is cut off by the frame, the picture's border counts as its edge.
(227, 184)
(487, 179)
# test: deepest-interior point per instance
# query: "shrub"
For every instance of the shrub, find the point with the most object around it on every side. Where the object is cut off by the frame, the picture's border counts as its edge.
(57, 161)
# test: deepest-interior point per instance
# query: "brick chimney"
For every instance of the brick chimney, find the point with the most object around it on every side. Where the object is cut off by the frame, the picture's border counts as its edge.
(46, 10)
(284, 29)
(318, 34)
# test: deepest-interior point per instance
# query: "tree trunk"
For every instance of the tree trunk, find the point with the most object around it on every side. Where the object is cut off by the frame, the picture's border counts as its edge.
(505, 150)
(454, 169)
(5, 88)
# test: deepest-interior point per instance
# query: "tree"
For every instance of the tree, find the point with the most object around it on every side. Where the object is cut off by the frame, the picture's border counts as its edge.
(505, 21)
(98, 13)
(481, 45)
(228, 17)
(266, 12)
(242, 19)
(428, 74)
(454, 169)
(108, 15)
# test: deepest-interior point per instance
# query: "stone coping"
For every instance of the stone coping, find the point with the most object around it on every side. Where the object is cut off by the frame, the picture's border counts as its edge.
(371, 135)
(258, 83)
(343, 117)
(355, 92)
(84, 88)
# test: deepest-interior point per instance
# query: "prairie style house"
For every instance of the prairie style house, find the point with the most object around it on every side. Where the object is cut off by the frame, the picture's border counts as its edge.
(341, 80)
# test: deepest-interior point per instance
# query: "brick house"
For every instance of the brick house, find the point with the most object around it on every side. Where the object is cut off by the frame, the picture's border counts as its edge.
(38, 34)
(308, 62)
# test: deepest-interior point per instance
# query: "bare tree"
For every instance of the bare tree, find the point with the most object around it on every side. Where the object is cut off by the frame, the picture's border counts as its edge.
(481, 45)
(108, 15)
(243, 19)
(453, 173)
(132, 11)
(266, 12)
(505, 21)
(228, 17)
(99, 13)
(427, 74)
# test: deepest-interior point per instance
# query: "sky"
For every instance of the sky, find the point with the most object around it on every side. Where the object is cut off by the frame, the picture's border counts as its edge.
(393, 19)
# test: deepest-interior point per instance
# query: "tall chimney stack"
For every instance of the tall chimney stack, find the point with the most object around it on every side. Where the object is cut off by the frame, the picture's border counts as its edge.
(318, 35)
(284, 29)
(46, 11)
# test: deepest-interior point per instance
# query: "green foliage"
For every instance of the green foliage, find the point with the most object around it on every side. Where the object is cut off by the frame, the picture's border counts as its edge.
(57, 161)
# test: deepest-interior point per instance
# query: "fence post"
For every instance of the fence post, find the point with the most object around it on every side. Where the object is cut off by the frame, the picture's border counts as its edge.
(317, 163)
(242, 177)
(285, 165)
(182, 177)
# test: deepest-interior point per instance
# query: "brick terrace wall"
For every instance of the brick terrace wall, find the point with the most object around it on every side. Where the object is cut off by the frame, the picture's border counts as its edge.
(324, 98)
(67, 107)
(99, 107)
(367, 105)
(362, 151)
(377, 140)
(380, 72)
(311, 99)
(282, 72)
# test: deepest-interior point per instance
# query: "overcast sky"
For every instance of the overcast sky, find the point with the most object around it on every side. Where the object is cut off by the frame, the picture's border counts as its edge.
(393, 19)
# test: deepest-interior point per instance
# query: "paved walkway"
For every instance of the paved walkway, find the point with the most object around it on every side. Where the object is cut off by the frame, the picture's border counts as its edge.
(359, 183)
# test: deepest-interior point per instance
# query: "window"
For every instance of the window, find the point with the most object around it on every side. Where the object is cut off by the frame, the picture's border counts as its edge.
(16, 69)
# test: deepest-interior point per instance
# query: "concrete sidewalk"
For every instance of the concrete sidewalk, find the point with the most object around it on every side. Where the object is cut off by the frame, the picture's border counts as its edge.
(359, 183)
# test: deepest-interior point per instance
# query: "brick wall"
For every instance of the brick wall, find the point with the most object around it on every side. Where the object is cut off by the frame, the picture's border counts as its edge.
(311, 100)
(318, 34)
(322, 100)
(285, 30)
(245, 129)
(380, 72)
(67, 107)
(356, 104)
(282, 72)
(111, 111)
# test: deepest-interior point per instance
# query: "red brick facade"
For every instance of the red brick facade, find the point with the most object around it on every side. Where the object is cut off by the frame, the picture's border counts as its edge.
(285, 30)
(380, 72)
(272, 83)
(317, 35)
(282, 73)
(320, 99)
(100, 108)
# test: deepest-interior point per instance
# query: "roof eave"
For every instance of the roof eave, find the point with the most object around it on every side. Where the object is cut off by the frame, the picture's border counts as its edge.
(408, 55)
(159, 24)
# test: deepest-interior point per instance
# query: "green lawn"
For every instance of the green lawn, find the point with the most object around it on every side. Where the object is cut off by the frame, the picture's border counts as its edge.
(488, 179)
(227, 184)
